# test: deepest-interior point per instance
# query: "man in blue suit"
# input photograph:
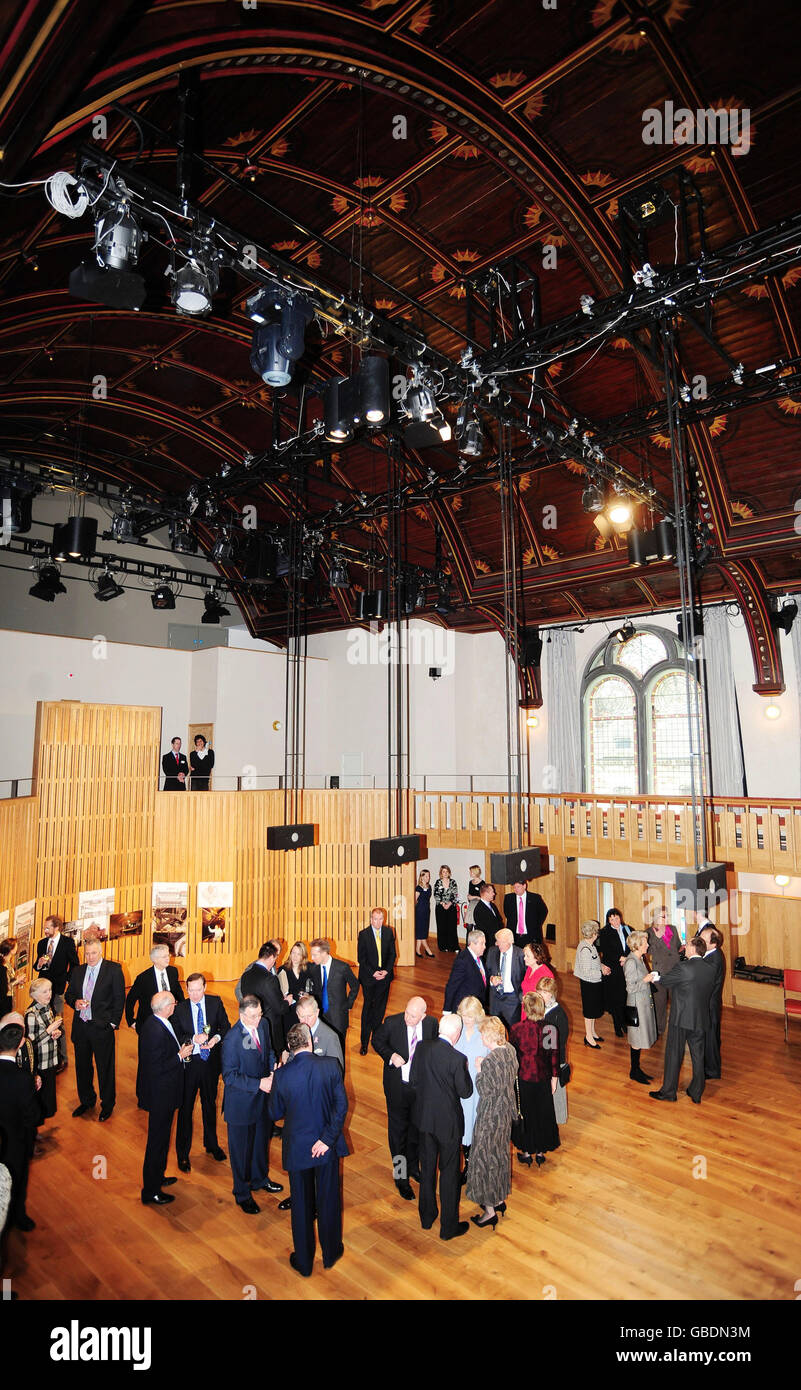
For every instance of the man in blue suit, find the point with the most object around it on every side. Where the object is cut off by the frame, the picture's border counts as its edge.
(468, 976)
(310, 1094)
(248, 1063)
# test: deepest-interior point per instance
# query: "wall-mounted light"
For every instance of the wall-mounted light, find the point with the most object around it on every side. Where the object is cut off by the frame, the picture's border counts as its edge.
(772, 711)
(781, 880)
(532, 722)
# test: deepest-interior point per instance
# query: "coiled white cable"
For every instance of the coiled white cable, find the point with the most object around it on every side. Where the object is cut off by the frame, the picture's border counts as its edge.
(58, 191)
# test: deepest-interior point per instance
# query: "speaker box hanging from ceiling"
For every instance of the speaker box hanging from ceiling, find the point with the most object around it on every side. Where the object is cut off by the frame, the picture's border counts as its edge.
(519, 865)
(370, 605)
(403, 849)
(291, 836)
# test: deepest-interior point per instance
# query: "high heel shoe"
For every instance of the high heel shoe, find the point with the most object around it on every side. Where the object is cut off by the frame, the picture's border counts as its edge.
(597, 1037)
(483, 1220)
(540, 1159)
(525, 1158)
(501, 1207)
(428, 953)
(595, 1046)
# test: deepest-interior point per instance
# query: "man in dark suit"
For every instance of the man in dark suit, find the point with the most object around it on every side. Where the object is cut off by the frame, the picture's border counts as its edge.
(506, 968)
(96, 991)
(396, 1042)
(612, 948)
(202, 1020)
(441, 1079)
(525, 914)
(486, 916)
(19, 1116)
(159, 977)
(56, 955)
(375, 952)
(309, 1095)
(714, 961)
(261, 979)
(162, 1059)
(691, 987)
(325, 1042)
(334, 984)
(175, 768)
(248, 1061)
(468, 975)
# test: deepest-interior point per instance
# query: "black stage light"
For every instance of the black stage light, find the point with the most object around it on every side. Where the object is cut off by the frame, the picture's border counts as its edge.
(371, 605)
(638, 547)
(338, 576)
(374, 389)
(106, 587)
(195, 285)
(592, 498)
(122, 527)
(78, 536)
(181, 539)
(338, 402)
(419, 401)
(163, 597)
(625, 632)
(58, 548)
(223, 548)
(280, 317)
(117, 238)
(665, 536)
(646, 203)
(784, 618)
(17, 511)
(698, 626)
(214, 609)
(472, 440)
(48, 584)
(443, 604)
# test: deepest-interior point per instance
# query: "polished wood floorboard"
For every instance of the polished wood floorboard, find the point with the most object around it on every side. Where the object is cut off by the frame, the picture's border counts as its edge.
(616, 1213)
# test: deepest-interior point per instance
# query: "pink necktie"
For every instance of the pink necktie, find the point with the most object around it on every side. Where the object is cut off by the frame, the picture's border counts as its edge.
(413, 1045)
(255, 1036)
(521, 926)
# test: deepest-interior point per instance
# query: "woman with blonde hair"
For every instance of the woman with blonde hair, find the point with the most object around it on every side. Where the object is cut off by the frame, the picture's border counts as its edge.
(472, 1047)
(446, 898)
(293, 977)
(640, 1015)
(422, 913)
(664, 948)
(490, 1178)
(43, 1029)
(555, 1017)
(589, 971)
(537, 1131)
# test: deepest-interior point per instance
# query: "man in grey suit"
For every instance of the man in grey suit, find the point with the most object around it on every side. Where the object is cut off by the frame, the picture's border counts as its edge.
(691, 985)
(325, 1042)
(506, 968)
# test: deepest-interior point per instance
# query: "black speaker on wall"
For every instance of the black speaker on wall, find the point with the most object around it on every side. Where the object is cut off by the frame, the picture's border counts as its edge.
(519, 865)
(404, 849)
(291, 836)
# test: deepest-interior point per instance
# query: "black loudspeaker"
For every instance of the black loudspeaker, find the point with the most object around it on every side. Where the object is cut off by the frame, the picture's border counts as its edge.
(388, 854)
(519, 865)
(530, 648)
(333, 782)
(291, 836)
(371, 604)
(697, 890)
(550, 932)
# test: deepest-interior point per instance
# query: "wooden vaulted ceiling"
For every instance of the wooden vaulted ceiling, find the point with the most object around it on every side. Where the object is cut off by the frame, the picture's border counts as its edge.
(523, 129)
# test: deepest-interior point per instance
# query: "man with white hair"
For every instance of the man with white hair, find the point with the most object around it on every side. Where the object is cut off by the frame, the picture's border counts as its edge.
(325, 1042)
(161, 1066)
(158, 977)
(506, 968)
(396, 1042)
(96, 991)
(442, 1081)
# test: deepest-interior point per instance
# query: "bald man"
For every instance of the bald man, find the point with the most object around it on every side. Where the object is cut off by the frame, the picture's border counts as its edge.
(161, 1075)
(395, 1042)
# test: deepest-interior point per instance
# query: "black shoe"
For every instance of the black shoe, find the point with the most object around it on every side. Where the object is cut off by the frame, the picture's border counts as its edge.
(595, 1047)
(405, 1189)
(362, 1051)
(293, 1260)
(501, 1208)
(219, 1153)
(184, 1166)
(158, 1199)
(426, 1225)
(328, 1264)
(277, 1129)
(483, 1220)
(620, 1032)
(657, 1095)
(248, 1206)
(712, 1076)
(597, 1037)
(24, 1223)
(269, 1186)
(106, 1114)
(461, 1230)
(82, 1109)
(539, 1160)
(285, 1204)
(641, 1077)
(168, 1182)
(525, 1158)
(688, 1092)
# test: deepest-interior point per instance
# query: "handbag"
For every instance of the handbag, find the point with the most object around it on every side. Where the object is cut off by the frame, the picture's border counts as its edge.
(632, 1016)
(564, 1073)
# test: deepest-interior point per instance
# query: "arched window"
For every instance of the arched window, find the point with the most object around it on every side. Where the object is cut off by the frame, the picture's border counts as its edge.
(635, 726)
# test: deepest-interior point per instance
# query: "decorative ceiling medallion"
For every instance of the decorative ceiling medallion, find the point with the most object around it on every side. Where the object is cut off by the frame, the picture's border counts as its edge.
(789, 406)
(529, 556)
(553, 239)
(534, 106)
(439, 132)
(457, 503)
(385, 305)
(573, 466)
(420, 22)
(622, 344)
(742, 509)
(245, 137)
(604, 13)
(280, 148)
(550, 553)
(507, 79)
(285, 245)
(718, 426)
(532, 216)
(597, 178)
(369, 181)
(481, 565)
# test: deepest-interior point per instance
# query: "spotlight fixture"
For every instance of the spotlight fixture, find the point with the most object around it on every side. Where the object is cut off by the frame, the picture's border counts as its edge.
(194, 285)
(341, 412)
(374, 389)
(77, 538)
(619, 511)
(785, 616)
(592, 498)
(181, 539)
(625, 632)
(211, 509)
(117, 238)
(280, 317)
(16, 511)
(781, 880)
(48, 584)
(58, 548)
(338, 576)
(106, 587)
(223, 548)
(771, 711)
(443, 604)
(471, 443)
(122, 526)
(698, 626)
(214, 608)
(442, 427)
(646, 203)
(163, 597)
(644, 547)
(532, 721)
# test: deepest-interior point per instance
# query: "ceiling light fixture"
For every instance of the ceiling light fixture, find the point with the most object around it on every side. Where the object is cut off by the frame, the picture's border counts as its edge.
(106, 587)
(592, 498)
(163, 597)
(784, 617)
(223, 548)
(214, 608)
(195, 285)
(374, 389)
(48, 584)
(181, 539)
(771, 711)
(338, 576)
(281, 317)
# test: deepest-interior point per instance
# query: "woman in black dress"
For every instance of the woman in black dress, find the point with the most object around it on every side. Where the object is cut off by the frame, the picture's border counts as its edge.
(613, 953)
(294, 978)
(7, 949)
(422, 913)
(446, 911)
(538, 1074)
(201, 761)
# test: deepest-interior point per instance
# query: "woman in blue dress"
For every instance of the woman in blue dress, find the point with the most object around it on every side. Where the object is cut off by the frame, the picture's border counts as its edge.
(422, 913)
(471, 1046)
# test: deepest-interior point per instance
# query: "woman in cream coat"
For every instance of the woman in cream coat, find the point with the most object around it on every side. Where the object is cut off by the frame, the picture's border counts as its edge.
(638, 996)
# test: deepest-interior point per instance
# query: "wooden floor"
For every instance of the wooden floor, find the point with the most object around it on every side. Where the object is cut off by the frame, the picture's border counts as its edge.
(617, 1213)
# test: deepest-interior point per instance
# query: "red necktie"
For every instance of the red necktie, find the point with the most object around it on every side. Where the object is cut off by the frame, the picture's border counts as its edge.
(178, 760)
(481, 968)
(255, 1036)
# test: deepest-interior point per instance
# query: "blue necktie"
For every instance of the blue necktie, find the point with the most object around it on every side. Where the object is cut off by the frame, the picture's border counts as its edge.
(204, 1051)
(325, 989)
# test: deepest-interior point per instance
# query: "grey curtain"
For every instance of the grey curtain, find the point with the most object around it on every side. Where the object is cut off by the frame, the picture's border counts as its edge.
(564, 772)
(796, 636)
(724, 737)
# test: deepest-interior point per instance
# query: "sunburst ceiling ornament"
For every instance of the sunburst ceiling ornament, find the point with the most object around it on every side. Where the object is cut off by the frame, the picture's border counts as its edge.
(743, 510)
(507, 79)
(669, 11)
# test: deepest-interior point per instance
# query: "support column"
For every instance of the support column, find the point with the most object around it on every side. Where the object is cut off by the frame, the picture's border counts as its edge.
(563, 907)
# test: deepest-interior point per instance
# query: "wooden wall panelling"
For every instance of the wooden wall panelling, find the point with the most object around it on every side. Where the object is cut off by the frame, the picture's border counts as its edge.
(563, 907)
